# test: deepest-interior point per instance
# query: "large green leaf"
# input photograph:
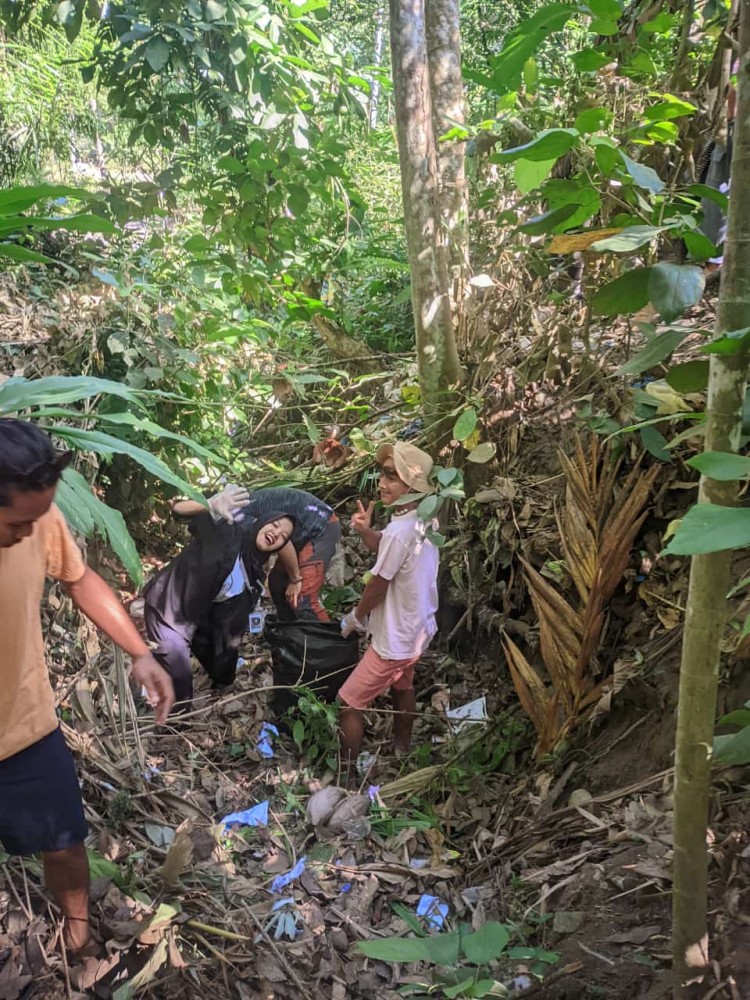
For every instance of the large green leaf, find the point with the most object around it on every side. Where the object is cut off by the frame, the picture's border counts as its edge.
(692, 376)
(734, 342)
(465, 424)
(656, 350)
(669, 108)
(19, 394)
(81, 223)
(154, 430)
(18, 199)
(86, 513)
(590, 60)
(157, 54)
(486, 944)
(645, 177)
(734, 749)
(530, 173)
(673, 288)
(547, 145)
(626, 294)
(23, 255)
(439, 949)
(722, 465)
(106, 445)
(549, 221)
(521, 43)
(708, 527)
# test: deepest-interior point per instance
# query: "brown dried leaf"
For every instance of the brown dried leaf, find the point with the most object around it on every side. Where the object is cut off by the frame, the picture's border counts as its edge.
(529, 686)
(178, 857)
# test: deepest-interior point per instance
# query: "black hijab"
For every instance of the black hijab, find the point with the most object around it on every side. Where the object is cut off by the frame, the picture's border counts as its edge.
(183, 591)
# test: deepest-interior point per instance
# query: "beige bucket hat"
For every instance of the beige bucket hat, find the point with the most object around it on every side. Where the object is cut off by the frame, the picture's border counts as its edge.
(412, 464)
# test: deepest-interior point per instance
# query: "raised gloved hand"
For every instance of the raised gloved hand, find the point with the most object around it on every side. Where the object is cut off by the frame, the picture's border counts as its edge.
(350, 623)
(228, 504)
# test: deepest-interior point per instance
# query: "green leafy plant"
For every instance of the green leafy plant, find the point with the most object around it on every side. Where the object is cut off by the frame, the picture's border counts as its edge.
(735, 747)
(468, 954)
(314, 728)
(44, 399)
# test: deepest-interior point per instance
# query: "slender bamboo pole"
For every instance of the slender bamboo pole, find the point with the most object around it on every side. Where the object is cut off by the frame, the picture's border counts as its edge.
(710, 574)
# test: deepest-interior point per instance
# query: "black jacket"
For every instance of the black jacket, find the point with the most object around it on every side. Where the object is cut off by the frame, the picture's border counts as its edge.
(182, 593)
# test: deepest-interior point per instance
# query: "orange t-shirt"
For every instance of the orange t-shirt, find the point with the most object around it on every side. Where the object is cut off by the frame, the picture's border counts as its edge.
(27, 704)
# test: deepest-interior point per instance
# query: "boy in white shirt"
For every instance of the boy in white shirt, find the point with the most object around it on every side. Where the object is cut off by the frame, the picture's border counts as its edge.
(398, 605)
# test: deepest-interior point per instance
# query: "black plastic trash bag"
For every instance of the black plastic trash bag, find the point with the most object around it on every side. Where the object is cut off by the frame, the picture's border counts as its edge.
(311, 654)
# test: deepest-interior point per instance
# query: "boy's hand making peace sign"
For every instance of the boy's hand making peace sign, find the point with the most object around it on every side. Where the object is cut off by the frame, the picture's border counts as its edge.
(362, 520)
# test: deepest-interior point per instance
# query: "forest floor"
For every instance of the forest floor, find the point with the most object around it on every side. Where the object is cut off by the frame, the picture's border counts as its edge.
(571, 853)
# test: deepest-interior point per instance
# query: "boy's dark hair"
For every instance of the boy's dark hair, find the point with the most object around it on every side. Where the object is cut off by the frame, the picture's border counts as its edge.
(28, 459)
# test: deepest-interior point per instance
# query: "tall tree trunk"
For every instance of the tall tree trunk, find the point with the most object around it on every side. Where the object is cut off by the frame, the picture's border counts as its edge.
(681, 73)
(437, 356)
(377, 61)
(449, 111)
(710, 574)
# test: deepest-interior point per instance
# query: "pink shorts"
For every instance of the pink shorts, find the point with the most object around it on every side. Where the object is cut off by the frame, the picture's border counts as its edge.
(373, 676)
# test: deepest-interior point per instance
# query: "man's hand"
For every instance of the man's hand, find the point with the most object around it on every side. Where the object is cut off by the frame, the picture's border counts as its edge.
(362, 520)
(228, 504)
(292, 593)
(158, 685)
(350, 624)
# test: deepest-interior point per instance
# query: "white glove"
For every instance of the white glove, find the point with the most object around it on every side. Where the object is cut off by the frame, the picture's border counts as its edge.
(227, 504)
(350, 623)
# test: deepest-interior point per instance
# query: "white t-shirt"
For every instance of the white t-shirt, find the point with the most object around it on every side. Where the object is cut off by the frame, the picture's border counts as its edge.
(234, 584)
(403, 625)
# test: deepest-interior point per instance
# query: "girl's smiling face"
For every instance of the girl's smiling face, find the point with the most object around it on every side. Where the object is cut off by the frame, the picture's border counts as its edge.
(274, 535)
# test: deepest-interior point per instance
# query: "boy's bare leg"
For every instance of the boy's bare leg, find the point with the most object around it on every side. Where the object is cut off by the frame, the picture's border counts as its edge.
(66, 874)
(352, 726)
(405, 706)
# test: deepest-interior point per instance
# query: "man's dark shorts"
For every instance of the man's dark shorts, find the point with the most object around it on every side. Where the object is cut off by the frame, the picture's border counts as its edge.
(40, 801)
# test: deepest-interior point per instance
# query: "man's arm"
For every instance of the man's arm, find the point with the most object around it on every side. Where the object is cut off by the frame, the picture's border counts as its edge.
(100, 604)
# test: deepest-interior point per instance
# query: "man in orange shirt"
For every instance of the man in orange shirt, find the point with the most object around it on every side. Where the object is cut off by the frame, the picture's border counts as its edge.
(40, 800)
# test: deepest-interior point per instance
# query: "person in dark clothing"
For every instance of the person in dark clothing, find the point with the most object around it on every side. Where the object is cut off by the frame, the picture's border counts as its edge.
(200, 602)
(299, 572)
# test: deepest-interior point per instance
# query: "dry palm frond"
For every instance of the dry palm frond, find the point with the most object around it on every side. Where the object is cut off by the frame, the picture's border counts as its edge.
(597, 529)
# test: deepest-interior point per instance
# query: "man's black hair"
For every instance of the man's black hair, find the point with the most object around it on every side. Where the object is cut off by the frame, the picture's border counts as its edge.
(28, 459)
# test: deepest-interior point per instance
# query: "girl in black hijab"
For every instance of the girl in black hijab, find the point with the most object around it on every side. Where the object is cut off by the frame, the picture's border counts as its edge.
(200, 602)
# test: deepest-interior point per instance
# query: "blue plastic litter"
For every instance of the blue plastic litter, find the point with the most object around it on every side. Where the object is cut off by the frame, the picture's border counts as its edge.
(520, 983)
(433, 911)
(267, 731)
(282, 881)
(256, 816)
(346, 887)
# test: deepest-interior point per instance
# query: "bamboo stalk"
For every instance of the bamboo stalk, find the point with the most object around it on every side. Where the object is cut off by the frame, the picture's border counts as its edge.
(710, 575)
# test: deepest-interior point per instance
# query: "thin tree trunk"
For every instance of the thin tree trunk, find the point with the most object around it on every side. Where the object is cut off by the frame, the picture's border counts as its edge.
(437, 356)
(377, 61)
(449, 111)
(681, 73)
(710, 574)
